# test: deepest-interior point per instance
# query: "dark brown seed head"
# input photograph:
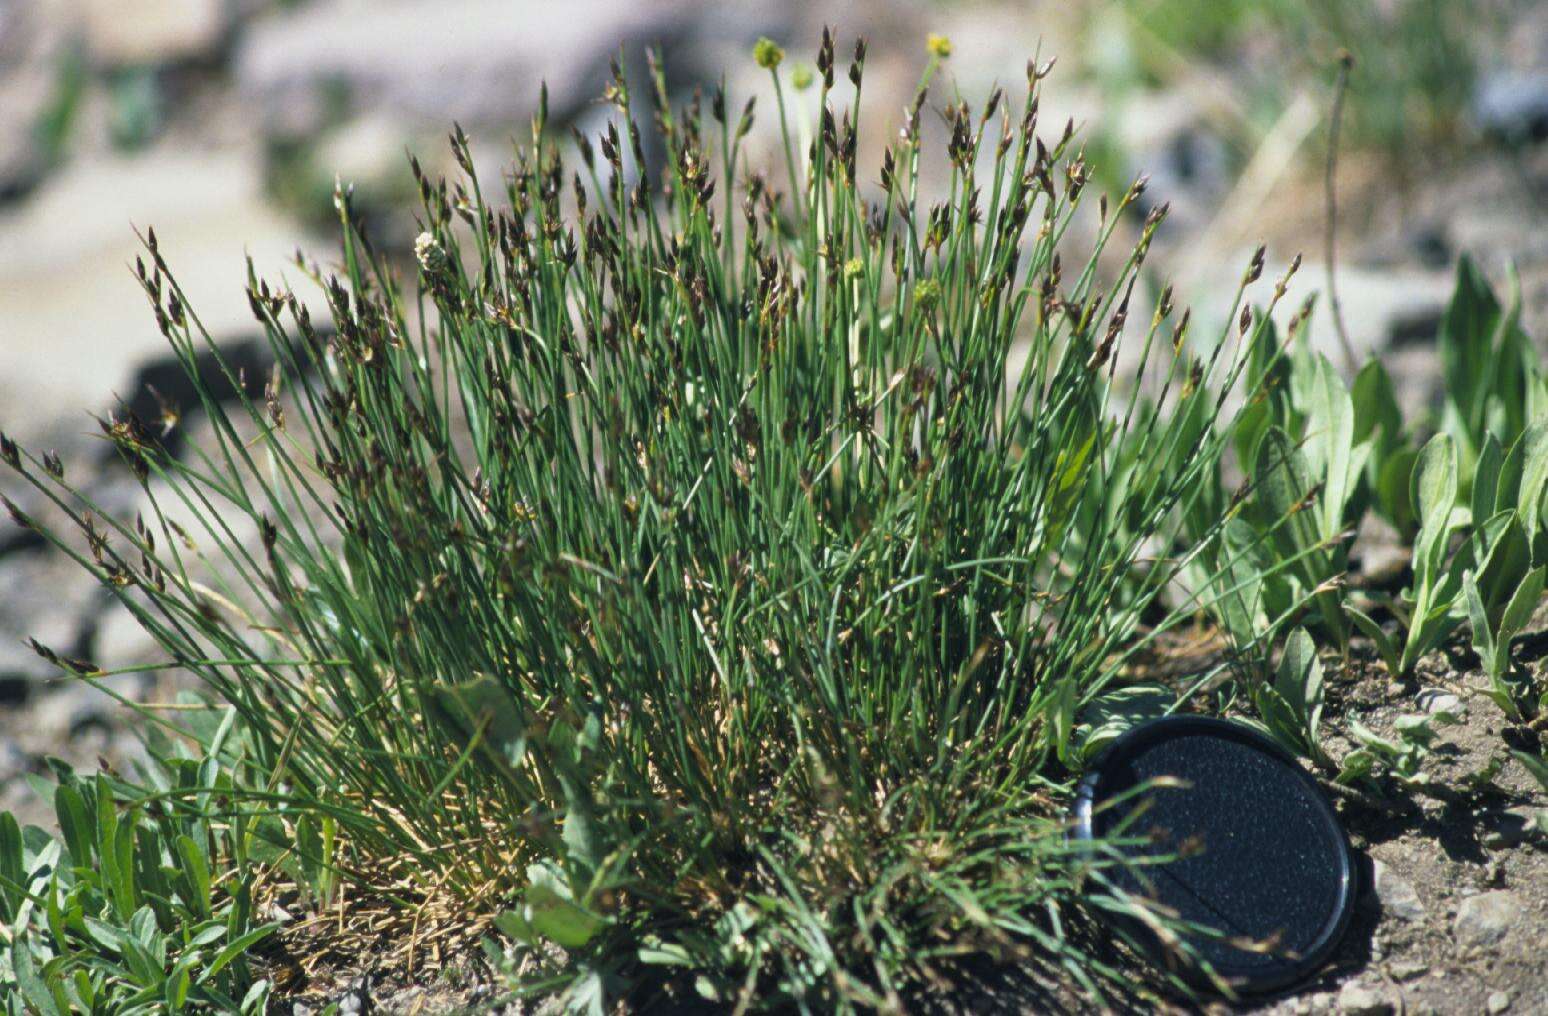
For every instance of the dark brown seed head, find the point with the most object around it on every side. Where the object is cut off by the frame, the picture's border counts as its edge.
(43, 651)
(1255, 267)
(1181, 331)
(18, 516)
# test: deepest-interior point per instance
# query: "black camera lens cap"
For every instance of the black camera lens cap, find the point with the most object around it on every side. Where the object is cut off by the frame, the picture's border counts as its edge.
(1256, 850)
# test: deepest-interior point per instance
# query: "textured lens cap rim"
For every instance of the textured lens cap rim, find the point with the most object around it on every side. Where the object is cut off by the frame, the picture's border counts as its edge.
(1285, 970)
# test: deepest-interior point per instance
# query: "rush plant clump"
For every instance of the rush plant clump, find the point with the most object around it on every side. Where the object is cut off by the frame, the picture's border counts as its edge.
(693, 577)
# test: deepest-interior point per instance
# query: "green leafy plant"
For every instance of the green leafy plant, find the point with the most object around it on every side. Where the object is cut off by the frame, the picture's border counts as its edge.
(1433, 596)
(131, 909)
(694, 583)
(1490, 579)
(1494, 381)
(1401, 757)
(1501, 597)
(1494, 627)
(1305, 447)
(1389, 467)
(1291, 707)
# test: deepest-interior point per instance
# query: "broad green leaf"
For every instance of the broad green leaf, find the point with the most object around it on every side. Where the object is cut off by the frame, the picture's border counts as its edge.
(1281, 474)
(588, 995)
(237, 947)
(1435, 480)
(123, 845)
(1384, 645)
(1486, 479)
(548, 911)
(1063, 716)
(1524, 603)
(1483, 633)
(1504, 557)
(197, 868)
(1533, 445)
(656, 953)
(24, 969)
(1536, 765)
(1513, 619)
(108, 855)
(1229, 576)
(1464, 339)
(1280, 720)
(1299, 680)
(1377, 414)
(1434, 497)
(1330, 442)
(12, 870)
(1394, 482)
(75, 825)
(1114, 711)
(1356, 766)
(257, 998)
(484, 707)
(179, 981)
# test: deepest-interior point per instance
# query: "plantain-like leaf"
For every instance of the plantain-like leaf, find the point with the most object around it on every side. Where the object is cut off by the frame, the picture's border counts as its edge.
(1385, 647)
(1116, 710)
(1486, 499)
(548, 911)
(483, 707)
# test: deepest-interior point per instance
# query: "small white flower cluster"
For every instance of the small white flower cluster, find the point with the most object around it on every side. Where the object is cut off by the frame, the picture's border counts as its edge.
(429, 253)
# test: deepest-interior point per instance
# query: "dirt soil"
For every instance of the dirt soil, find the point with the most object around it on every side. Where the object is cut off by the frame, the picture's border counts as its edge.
(1454, 909)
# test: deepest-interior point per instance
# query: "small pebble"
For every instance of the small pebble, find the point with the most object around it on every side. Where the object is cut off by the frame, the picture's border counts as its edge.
(1396, 895)
(1486, 918)
(1437, 700)
(357, 1000)
(1498, 1002)
(1358, 1000)
(1513, 107)
(1407, 970)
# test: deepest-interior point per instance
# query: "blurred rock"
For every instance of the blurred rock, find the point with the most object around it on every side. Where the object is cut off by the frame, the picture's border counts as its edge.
(477, 62)
(75, 711)
(75, 324)
(1356, 999)
(370, 153)
(161, 383)
(1164, 136)
(20, 541)
(46, 598)
(18, 798)
(1378, 305)
(116, 639)
(151, 33)
(1437, 700)
(33, 66)
(14, 763)
(1397, 895)
(1512, 107)
(1484, 919)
